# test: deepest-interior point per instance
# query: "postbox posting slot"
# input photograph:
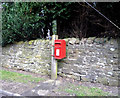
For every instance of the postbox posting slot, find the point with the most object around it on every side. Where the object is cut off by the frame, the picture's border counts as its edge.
(57, 45)
(57, 42)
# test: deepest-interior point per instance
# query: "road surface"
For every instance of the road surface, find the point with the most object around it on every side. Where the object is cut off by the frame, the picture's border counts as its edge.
(6, 93)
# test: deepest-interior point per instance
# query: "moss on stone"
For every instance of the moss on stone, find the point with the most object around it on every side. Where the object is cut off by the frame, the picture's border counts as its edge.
(62, 74)
(7, 66)
(19, 43)
(47, 41)
(38, 56)
(85, 79)
(28, 57)
(35, 42)
(103, 80)
(31, 47)
(66, 40)
(31, 42)
(113, 82)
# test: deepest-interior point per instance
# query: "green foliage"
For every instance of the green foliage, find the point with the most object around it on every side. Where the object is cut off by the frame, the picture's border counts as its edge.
(31, 20)
(19, 23)
(25, 20)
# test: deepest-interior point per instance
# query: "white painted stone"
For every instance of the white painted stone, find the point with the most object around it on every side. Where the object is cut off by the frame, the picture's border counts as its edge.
(42, 92)
(100, 63)
(111, 61)
(76, 74)
(90, 45)
(18, 53)
(33, 90)
(112, 49)
(49, 81)
(57, 82)
(76, 65)
(72, 41)
(110, 73)
(71, 73)
(72, 59)
(72, 69)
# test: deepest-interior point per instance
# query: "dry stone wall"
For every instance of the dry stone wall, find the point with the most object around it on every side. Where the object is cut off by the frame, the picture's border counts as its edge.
(33, 56)
(90, 59)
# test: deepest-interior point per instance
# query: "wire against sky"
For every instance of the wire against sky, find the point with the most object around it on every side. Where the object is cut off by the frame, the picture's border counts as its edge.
(102, 15)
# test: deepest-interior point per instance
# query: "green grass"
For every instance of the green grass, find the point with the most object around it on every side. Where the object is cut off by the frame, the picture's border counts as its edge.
(84, 91)
(18, 77)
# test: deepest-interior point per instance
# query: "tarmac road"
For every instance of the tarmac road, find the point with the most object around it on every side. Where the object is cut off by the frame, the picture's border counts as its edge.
(1, 94)
(6, 93)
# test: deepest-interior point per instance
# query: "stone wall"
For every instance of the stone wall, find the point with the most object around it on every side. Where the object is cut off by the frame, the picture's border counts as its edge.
(33, 56)
(90, 60)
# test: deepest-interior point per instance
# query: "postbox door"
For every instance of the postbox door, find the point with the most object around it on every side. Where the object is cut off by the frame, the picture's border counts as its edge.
(57, 50)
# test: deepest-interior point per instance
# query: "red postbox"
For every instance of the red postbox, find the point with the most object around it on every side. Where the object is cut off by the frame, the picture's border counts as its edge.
(60, 49)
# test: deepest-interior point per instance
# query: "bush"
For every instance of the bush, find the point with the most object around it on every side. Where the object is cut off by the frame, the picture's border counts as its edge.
(27, 20)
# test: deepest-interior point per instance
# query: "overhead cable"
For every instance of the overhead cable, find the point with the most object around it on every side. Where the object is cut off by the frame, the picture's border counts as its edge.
(102, 15)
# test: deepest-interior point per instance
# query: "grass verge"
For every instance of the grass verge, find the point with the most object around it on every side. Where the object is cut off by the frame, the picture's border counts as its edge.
(83, 90)
(18, 77)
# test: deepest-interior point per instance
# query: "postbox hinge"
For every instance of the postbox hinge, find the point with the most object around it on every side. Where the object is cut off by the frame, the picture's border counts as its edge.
(53, 45)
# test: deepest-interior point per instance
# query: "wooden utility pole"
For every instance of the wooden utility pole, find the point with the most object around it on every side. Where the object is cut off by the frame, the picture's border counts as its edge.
(54, 61)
